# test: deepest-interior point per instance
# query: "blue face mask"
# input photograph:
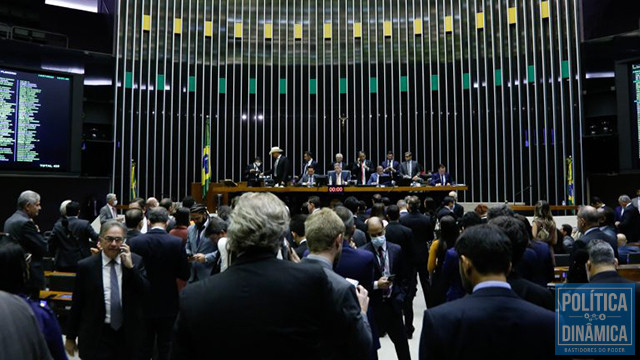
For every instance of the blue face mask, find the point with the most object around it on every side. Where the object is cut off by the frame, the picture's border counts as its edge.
(378, 241)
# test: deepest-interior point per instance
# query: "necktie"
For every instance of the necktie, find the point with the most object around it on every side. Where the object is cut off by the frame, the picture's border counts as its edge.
(364, 180)
(113, 212)
(275, 168)
(311, 180)
(338, 179)
(410, 173)
(385, 272)
(442, 180)
(116, 306)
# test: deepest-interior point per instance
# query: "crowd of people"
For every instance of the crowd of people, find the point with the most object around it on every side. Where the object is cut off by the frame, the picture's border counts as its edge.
(169, 280)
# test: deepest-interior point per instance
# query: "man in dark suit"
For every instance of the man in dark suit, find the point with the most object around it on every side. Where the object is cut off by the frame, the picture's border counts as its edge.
(22, 230)
(422, 228)
(338, 177)
(447, 208)
(492, 322)
(353, 335)
(441, 178)
(281, 170)
(307, 160)
(379, 177)
(109, 211)
(458, 210)
(390, 166)
(309, 178)
(410, 169)
(133, 218)
(220, 314)
(390, 288)
(339, 159)
(629, 223)
(165, 260)
(403, 236)
(589, 226)
(516, 231)
(362, 168)
(298, 234)
(107, 308)
(252, 172)
(72, 239)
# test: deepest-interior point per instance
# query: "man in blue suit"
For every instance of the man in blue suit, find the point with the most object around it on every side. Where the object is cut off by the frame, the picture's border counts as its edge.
(166, 261)
(390, 288)
(492, 322)
(441, 178)
(201, 252)
(379, 177)
(338, 177)
(390, 166)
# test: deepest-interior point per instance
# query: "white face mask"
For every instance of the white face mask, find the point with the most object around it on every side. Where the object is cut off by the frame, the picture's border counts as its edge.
(115, 202)
(378, 241)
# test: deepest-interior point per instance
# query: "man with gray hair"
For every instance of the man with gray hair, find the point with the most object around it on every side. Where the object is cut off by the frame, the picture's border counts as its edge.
(352, 334)
(589, 226)
(629, 223)
(109, 211)
(259, 303)
(22, 230)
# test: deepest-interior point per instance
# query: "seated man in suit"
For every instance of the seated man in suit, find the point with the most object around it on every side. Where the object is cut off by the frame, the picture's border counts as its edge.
(252, 172)
(307, 158)
(441, 178)
(108, 299)
(410, 169)
(390, 166)
(325, 237)
(493, 321)
(338, 177)
(362, 168)
(390, 288)
(309, 178)
(285, 309)
(379, 177)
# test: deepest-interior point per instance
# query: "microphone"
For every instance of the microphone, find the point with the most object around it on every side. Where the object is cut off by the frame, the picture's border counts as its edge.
(521, 191)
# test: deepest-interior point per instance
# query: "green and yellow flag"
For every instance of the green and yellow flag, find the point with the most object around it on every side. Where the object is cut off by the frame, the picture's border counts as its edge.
(134, 184)
(206, 166)
(570, 188)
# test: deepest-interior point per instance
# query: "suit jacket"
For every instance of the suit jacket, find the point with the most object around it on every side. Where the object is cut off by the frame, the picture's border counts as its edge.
(204, 246)
(422, 228)
(403, 236)
(392, 164)
(488, 324)
(304, 167)
(597, 234)
(384, 179)
(252, 177)
(415, 169)
(22, 230)
(305, 179)
(165, 260)
(630, 224)
(356, 170)
(72, 242)
(444, 211)
(301, 249)
(283, 170)
(531, 291)
(86, 318)
(242, 312)
(397, 267)
(436, 180)
(458, 210)
(333, 177)
(20, 334)
(132, 233)
(105, 214)
(353, 332)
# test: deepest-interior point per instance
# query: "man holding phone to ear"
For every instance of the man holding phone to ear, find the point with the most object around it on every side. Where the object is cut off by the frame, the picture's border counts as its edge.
(106, 312)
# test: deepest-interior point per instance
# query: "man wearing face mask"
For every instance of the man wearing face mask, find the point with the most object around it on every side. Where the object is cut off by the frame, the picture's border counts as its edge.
(200, 251)
(109, 211)
(492, 322)
(252, 172)
(390, 288)
(325, 230)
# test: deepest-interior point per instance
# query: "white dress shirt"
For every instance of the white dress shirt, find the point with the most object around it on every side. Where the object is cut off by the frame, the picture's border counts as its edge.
(106, 284)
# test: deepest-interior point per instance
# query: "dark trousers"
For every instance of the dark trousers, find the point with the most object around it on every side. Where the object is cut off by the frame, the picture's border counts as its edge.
(421, 271)
(111, 345)
(158, 332)
(389, 320)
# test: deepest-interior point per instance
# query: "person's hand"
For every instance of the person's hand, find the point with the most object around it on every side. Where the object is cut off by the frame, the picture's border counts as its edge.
(94, 251)
(448, 184)
(252, 170)
(384, 283)
(199, 258)
(353, 244)
(293, 256)
(70, 346)
(438, 184)
(363, 298)
(617, 223)
(125, 256)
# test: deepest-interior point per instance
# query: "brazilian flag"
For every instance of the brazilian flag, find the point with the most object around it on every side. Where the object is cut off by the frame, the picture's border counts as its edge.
(133, 193)
(570, 187)
(206, 165)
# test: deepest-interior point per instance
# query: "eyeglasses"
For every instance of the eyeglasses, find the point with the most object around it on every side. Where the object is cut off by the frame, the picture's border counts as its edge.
(113, 238)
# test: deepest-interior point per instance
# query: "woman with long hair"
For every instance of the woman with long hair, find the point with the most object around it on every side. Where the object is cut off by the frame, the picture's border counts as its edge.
(449, 232)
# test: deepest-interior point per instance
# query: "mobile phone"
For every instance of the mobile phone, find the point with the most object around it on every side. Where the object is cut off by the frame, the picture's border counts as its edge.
(391, 277)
